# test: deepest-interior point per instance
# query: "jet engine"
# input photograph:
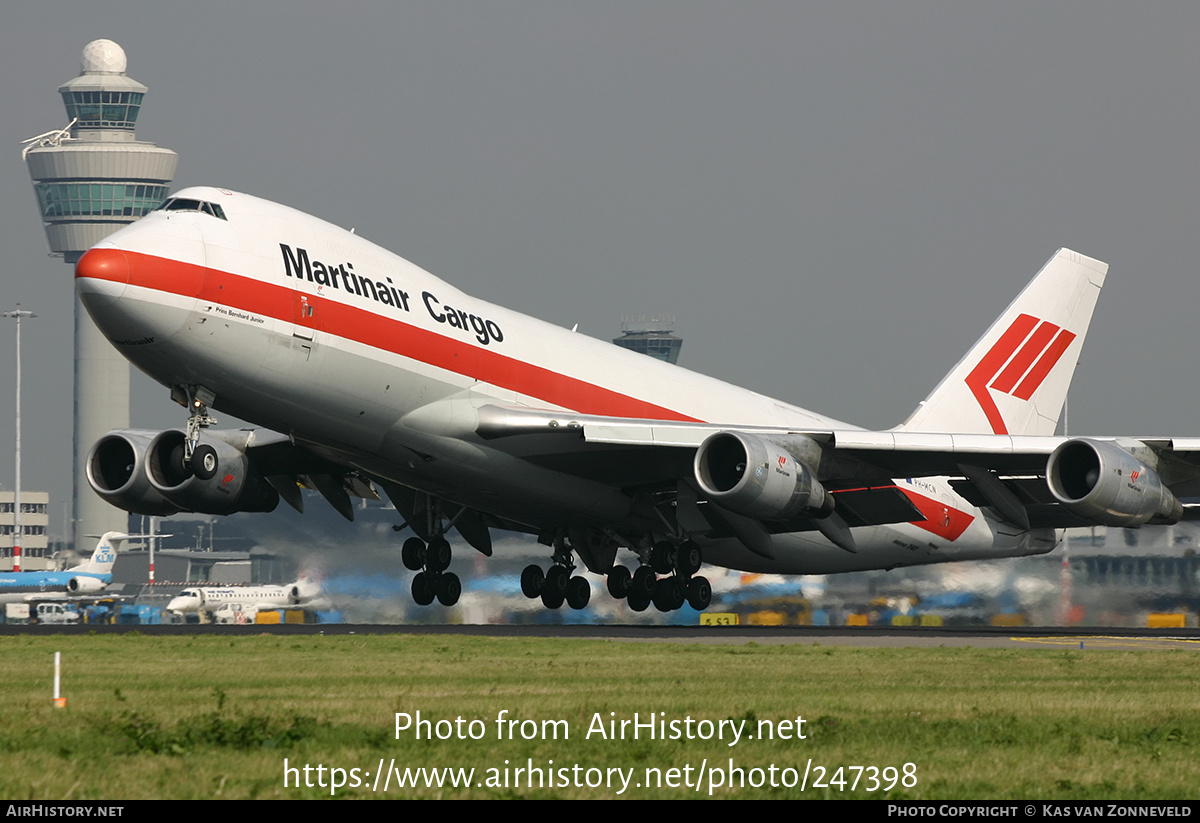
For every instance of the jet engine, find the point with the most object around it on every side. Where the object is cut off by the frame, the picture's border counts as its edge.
(1105, 484)
(763, 478)
(84, 585)
(116, 470)
(143, 472)
(219, 480)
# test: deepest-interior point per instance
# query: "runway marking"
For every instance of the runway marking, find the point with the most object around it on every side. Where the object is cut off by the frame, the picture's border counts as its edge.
(1101, 641)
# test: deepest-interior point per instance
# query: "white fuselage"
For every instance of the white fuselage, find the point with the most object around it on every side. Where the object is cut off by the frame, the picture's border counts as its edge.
(212, 598)
(308, 329)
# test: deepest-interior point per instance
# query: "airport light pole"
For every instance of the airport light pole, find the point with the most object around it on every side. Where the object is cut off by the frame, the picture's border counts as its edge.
(18, 313)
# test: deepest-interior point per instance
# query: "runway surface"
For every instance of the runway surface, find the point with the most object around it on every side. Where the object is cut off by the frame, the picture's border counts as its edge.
(1091, 638)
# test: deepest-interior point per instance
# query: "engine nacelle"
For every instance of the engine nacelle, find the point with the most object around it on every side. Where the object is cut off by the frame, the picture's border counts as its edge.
(762, 478)
(219, 480)
(1106, 485)
(143, 472)
(303, 592)
(116, 470)
(84, 585)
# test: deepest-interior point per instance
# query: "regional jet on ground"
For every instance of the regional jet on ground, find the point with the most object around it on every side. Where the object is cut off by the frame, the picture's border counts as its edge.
(87, 578)
(367, 372)
(213, 598)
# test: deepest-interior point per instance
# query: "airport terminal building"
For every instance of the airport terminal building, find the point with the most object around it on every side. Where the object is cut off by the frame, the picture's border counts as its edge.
(35, 520)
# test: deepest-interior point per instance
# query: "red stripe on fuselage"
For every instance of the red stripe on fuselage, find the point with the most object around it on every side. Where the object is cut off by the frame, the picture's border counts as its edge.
(379, 332)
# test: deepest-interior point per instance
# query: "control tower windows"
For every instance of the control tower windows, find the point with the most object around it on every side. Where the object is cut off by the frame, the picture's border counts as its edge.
(98, 199)
(104, 109)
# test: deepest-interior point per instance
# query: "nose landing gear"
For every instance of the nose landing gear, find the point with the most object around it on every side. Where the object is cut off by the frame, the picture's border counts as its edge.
(200, 460)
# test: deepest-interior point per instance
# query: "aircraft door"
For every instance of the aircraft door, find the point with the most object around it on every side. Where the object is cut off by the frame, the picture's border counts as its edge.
(304, 316)
(295, 337)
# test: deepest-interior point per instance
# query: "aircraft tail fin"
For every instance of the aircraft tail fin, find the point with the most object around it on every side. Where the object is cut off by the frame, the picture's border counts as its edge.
(104, 555)
(1014, 380)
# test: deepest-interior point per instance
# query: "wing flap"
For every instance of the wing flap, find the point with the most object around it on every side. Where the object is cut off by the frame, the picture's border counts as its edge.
(875, 506)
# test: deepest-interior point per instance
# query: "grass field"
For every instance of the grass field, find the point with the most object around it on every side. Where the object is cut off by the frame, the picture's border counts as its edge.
(215, 717)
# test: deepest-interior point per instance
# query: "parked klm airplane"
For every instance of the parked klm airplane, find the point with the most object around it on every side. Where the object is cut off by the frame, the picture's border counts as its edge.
(87, 578)
(368, 372)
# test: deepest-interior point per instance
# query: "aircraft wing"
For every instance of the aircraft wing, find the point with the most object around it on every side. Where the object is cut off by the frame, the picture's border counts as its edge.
(1032, 481)
(56, 597)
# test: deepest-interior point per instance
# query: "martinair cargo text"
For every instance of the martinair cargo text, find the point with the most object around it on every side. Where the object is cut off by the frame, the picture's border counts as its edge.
(369, 373)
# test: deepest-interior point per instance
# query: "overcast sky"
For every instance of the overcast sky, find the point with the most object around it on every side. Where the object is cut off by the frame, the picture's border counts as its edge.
(833, 199)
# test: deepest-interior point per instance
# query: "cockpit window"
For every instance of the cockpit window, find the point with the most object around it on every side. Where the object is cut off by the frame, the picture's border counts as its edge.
(186, 204)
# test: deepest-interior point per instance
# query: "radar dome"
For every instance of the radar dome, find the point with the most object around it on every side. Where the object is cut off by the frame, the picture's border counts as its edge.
(103, 57)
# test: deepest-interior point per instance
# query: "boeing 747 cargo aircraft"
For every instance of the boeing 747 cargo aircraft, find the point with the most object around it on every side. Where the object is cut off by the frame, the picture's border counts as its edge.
(366, 373)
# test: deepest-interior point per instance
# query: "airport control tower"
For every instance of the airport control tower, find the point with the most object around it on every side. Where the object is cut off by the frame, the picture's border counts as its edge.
(92, 178)
(653, 336)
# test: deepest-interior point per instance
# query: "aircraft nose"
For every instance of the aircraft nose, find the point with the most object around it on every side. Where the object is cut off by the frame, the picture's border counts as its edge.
(102, 274)
(103, 264)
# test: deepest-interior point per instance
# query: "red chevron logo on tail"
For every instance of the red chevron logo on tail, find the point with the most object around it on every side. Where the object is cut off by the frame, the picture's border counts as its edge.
(1017, 364)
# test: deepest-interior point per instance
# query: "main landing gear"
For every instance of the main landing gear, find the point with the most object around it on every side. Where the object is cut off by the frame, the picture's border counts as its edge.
(429, 553)
(430, 561)
(678, 564)
(667, 578)
(556, 585)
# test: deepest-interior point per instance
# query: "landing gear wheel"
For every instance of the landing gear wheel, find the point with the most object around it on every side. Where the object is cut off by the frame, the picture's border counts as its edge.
(699, 593)
(668, 594)
(533, 580)
(662, 557)
(205, 462)
(412, 554)
(678, 593)
(557, 578)
(643, 582)
(638, 601)
(437, 556)
(579, 591)
(619, 581)
(688, 561)
(448, 589)
(422, 590)
(551, 598)
(661, 598)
